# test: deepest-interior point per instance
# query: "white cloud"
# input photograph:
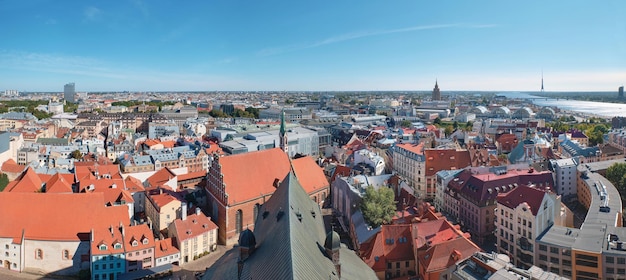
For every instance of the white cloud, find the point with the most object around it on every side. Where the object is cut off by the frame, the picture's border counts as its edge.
(92, 13)
(363, 34)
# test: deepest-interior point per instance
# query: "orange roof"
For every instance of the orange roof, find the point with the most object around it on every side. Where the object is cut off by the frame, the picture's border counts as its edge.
(214, 148)
(193, 226)
(59, 184)
(417, 149)
(392, 243)
(192, 175)
(162, 199)
(310, 175)
(445, 159)
(27, 182)
(140, 233)
(99, 184)
(151, 142)
(168, 144)
(109, 236)
(88, 170)
(444, 255)
(133, 184)
(10, 166)
(42, 218)
(249, 175)
(160, 177)
(164, 248)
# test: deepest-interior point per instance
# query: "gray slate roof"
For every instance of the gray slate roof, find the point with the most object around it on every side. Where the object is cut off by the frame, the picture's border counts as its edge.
(289, 247)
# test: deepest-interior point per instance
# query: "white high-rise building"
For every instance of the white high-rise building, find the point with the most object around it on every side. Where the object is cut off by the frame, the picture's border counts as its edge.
(69, 92)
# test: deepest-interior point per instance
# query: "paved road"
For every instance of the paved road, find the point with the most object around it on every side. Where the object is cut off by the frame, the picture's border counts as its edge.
(191, 269)
(186, 272)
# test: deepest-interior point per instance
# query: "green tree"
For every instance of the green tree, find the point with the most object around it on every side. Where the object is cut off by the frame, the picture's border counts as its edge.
(616, 173)
(406, 123)
(378, 206)
(437, 121)
(76, 154)
(448, 130)
(217, 113)
(4, 181)
(253, 111)
(469, 126)
(455, 124)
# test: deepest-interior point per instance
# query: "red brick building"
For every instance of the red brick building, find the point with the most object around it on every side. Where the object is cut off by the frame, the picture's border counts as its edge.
(238, 185)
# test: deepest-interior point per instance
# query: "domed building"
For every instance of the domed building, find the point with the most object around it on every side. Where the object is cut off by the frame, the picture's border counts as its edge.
(523, 113)
(501, 112)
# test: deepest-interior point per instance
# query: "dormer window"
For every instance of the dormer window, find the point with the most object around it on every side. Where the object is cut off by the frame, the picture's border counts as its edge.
(145, 241)
(117, 246)
(135, 243)
(103, 247)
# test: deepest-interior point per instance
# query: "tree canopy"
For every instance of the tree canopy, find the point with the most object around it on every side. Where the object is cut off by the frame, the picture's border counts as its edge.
(616, 173)
(378, 206)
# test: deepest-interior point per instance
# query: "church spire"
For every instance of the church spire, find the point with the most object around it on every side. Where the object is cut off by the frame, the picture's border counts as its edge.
(283, 132)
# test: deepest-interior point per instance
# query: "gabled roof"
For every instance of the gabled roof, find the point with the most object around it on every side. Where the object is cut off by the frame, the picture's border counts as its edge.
(59, 184)
(392, 243)
(29, 182)
(88, 170)
(105, 238)
(445, 159)
(162, 199)
(289, 237)
(444, 255)
(165, 247)
(160, 177)
(193, 226)
(42, 217)
(133, 184)
(523, 194)
(138, 233)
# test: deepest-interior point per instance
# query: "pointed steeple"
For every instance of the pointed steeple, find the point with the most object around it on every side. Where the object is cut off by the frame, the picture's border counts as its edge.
(541, 80)
(283, 132)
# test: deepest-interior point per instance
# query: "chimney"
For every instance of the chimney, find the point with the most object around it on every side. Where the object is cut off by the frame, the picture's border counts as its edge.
(198, 210)
(183, 211)
(122, 229)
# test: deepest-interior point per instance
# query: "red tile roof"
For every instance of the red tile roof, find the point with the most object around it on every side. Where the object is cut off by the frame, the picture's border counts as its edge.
(108, 235)
(192, 175)
(416, 149)
(249, 175)
(164, 248)
(10, 166)
(162, 199)
(133, 184)
(88, 169)
(59, 184)
(142, 234)
(392, 243)
(523, 194)
(310, 175)
(42, 218)
(193, 226)
(29, 181)
(160, 177)
(445, 254)
(445, 159)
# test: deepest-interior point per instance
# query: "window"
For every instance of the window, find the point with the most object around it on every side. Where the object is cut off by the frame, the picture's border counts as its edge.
(543, 248)
(135, 243)
(406, 264)
(66, 254)
(620, 261)
(554, 260)
(554, 250)
(103, 247)
(388, 265)
(145, 241)
(239, 221)
(610, 260)
(543, 257)
(256, 210)
(117, 246)
(38, 254)
(96, 267)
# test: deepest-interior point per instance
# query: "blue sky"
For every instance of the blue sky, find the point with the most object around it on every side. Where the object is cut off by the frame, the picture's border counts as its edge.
(312, 45)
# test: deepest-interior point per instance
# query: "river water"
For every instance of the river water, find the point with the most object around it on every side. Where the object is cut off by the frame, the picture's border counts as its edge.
(587, 107)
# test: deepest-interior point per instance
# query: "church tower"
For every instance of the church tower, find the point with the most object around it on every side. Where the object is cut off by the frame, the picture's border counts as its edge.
(283, 132)
(436, 92)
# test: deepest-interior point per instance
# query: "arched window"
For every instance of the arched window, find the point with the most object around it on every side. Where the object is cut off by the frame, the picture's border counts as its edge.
(239, 221)
(38, 254)
(257, 207)
(66, 254)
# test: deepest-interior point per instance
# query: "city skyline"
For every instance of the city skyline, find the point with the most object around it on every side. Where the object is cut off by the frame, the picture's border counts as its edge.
(320, 46)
